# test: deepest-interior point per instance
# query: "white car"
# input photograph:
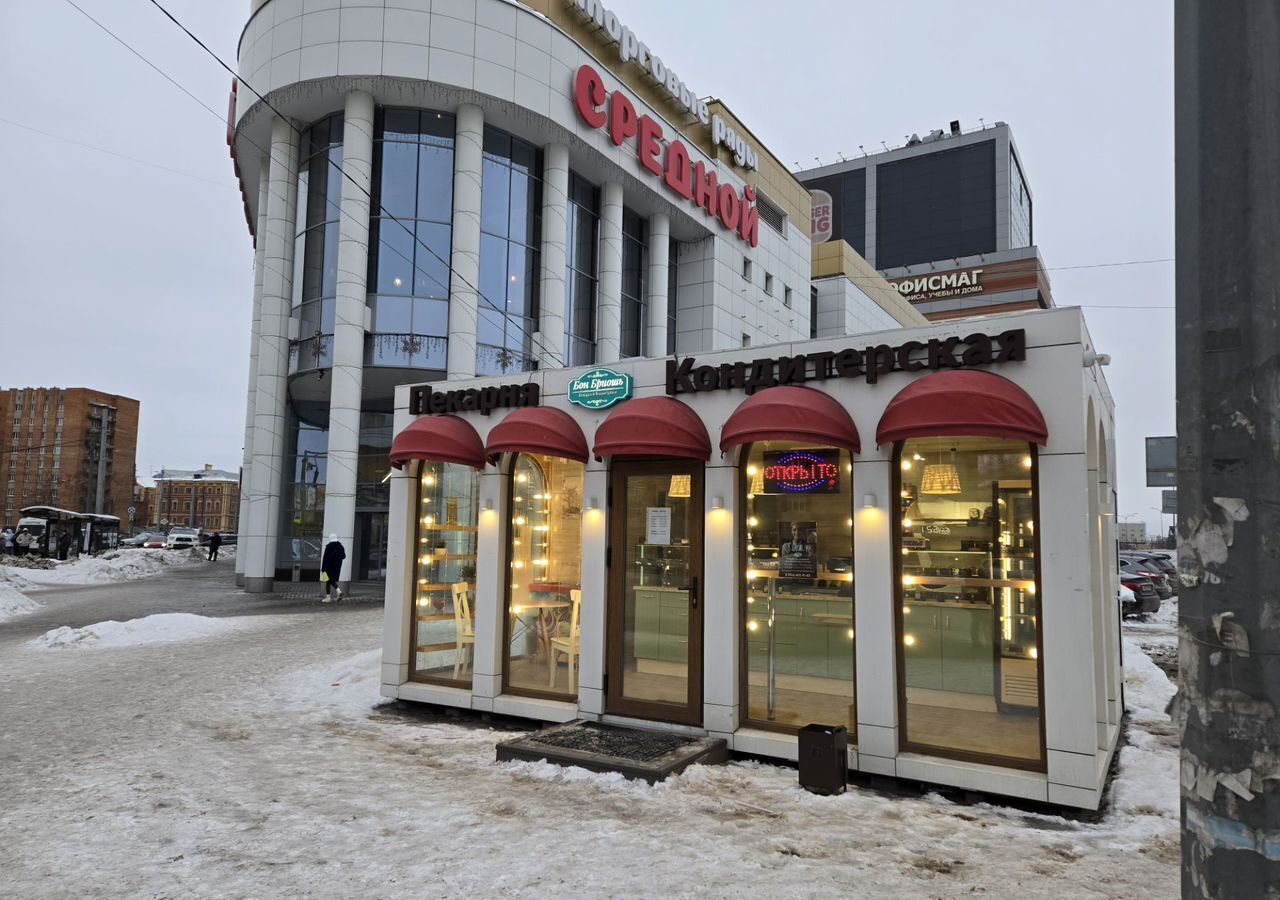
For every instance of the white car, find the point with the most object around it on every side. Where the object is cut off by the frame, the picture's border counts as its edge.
(181, 539)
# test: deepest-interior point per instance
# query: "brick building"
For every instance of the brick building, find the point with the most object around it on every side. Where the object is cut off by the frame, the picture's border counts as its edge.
(206, 498)
(68, 447)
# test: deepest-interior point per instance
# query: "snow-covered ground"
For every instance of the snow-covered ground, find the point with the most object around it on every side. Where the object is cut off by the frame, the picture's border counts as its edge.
(17, 583)
(261, 762)
(160, 628)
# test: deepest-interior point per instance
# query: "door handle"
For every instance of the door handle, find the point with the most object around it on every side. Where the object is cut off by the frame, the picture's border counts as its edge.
(693, 592)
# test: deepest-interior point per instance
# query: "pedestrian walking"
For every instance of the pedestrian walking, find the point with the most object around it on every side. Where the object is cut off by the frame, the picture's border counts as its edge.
(23, 540)
(64, 545)
(215, 541)
(331, 569)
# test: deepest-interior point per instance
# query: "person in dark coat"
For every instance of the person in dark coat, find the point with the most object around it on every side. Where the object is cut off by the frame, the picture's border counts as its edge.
(331, 566)
(215, 541)
(64, 545)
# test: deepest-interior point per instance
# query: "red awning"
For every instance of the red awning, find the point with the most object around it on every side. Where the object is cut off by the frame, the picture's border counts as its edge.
(439, 438)
(962, 402)
(788, 413)
(653, 426)
(538, 429)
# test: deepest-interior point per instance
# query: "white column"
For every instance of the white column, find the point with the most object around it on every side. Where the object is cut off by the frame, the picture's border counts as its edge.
(875, 682)
(721, 616)
(270, 406)
(468, 165)
(401, 584)
(595, 591)
(489, 609)
(246, 464)
(656, 284)
(609, 302)
(347, 375)
(555, 237)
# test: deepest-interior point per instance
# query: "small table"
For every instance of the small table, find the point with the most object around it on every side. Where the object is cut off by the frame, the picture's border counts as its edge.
(547, 622)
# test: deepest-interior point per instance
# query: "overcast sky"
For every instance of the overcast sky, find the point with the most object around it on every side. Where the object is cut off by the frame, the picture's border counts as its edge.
(122, 276)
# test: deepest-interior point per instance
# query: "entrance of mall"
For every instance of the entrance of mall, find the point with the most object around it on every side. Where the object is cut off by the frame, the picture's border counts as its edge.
(371, 547)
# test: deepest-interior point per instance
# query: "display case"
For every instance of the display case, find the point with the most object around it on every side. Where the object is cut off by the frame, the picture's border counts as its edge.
(662, 565)
(1016, 603)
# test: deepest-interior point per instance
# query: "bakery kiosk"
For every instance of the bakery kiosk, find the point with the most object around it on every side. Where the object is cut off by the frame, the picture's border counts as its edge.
(906, 533)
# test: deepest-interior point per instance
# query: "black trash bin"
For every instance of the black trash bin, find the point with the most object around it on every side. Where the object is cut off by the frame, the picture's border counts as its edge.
(824, 758)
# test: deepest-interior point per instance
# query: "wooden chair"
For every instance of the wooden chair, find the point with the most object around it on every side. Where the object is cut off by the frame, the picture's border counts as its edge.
(464, 625)
(568, 644)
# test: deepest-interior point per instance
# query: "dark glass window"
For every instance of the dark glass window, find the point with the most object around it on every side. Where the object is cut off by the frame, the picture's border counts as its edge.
(581, 276)
(813, 312)
(315, 266)
(410, 238)
(848, 192)
(938, 206)
(634, 235)
(510, 234)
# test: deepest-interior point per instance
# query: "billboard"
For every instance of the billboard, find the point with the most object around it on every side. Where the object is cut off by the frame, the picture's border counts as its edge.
(1162, 462)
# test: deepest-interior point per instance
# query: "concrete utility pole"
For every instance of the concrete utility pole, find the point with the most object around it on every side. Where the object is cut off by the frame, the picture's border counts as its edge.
(1227, 144)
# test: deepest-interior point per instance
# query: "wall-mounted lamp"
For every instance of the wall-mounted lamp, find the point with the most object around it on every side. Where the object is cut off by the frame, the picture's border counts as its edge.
(487, 504)
(868, 501)
(591, 504)
(717, 503)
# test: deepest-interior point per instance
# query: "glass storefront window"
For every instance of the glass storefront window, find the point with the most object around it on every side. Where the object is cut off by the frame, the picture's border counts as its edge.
(443, 626)
(798, 617)
(544, 596)
(969, 621)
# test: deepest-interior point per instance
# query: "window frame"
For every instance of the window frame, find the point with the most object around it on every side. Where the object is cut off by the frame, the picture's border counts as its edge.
(744, 670)
(504, 592)
(905, 744)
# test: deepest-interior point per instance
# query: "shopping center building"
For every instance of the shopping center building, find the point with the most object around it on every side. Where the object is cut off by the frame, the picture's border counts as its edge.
(543, 337)
(454, 188)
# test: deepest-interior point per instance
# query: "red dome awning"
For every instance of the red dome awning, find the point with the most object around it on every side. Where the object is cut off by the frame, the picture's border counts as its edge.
(538, 429)
(438, 438)
(962, 402)
(790, 413)
(653, 426)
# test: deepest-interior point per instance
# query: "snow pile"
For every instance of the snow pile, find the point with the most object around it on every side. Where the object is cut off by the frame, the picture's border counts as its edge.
(157, 629)
(349, 687)
(127, 565)
(1147, 782)
(13, 602)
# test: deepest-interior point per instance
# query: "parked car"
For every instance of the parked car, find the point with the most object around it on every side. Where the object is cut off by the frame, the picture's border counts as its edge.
(141, 538)
(1158, 579)
(182, 539)
(1162, 563)
(1145, 599)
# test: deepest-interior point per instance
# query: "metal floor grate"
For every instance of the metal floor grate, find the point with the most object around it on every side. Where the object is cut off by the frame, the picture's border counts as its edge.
(642, 753)
(619, 743)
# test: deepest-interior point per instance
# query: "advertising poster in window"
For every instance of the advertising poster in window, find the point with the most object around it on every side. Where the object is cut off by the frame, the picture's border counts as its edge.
(799, 555)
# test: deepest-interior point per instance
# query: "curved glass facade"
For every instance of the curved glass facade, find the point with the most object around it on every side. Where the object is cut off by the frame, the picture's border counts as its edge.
(635, 232)
(510, 235)
(410, 239)
(315, 257)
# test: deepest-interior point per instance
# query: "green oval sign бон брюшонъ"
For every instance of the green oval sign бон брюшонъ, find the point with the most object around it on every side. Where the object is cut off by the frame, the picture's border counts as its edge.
(600, 388)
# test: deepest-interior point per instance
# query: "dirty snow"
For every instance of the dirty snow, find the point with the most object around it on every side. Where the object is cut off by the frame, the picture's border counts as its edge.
(121, 565)
(157, 629)
(266, 764)
(13, 602)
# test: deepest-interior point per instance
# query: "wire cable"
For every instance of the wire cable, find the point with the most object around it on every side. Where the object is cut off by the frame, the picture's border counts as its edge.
(132, 159)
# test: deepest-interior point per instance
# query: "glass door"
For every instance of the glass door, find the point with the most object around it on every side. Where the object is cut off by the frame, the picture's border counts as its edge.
(655, 602)
(372, 557)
